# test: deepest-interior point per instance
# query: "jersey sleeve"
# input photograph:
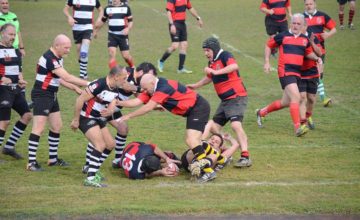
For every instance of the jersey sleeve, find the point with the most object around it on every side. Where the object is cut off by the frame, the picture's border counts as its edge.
(144, 97)
(329, 22)
(18, 54)
(264, 4)
(95, 87)
(53, 64)
(170, 5)
(275, 41)
(160, 96)
(106, 15)
(70, 3)
(228, 59)
(188, 5)
(287, 4)
(97, 4)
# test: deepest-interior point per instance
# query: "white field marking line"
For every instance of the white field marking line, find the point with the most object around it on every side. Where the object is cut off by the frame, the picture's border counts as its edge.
(301, 146)
(191, 184)
(216, 36)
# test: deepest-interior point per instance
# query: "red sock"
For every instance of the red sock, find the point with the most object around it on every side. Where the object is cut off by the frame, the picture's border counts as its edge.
(295, 114)
(351, 15)
(341, 19)
(308, 114)
(112, 63)
(245, 154)
(276, 105)
(303, 121)
(129, 62)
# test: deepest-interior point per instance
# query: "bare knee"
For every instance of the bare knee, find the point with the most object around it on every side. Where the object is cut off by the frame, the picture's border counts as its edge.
(26, 118)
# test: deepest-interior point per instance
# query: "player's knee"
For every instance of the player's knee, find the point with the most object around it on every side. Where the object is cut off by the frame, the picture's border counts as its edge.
(26, 118)
(123, 129)
(84, 52)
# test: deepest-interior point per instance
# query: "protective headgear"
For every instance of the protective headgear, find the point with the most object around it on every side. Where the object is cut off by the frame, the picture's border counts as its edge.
(150, 164)
(213, 44)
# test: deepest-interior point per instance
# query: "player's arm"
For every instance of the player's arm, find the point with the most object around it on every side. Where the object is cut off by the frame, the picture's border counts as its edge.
(171, 22)
(21, 44)
(71, 20)
(71, 86)
(162, 172)
(325, 35)
(267, 54)
(131, 103)
(140, 111)
(227, 69)
(265, 10)
(289, 12)
(202, 82)
(64, 75)
(316, 48)
(100, 10)
(81, 99)
(233, 148)
(196, 15)
(163, 156)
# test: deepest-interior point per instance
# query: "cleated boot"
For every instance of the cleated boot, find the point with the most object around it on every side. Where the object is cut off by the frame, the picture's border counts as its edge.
(12, 153)
(160, 66)
(327, 102)
(206, 177)
(34, 166)
(183, 70)
(311, 123)
(59, 162)
(259, 118)
(243, 162)
(303, 129)
(94, 183)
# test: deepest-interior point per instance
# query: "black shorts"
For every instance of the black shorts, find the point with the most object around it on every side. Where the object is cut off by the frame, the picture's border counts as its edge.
(343, 2)
(80, 35)
(12, 98)
(181, 32)
(198, 116)
(286, 80)
(309, 85)
(274, 27)
(45, 102)
(232, 109)
(118, 41)
(86, 123)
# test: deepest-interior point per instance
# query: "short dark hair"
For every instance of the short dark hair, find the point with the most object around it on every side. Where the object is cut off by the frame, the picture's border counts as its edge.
(220, 136)
(150, 164)
(116, 70)
(5, 26)
(145, 67)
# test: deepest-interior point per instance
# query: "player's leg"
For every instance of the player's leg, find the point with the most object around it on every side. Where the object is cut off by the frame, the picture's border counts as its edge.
(351, 14)
(125, 51)
(174, 45)
(341, 13)
(55, 123)
(120, 139)
(84, 58)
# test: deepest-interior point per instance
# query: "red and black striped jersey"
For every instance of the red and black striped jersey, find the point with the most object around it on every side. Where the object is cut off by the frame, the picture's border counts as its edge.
(10, 63)
(173, 96)
(118, 18)
(309, 68)
(178, 9)
(292, 50)
(318, 23)
(229, 85)
(83, 13)
(45, 78)
(133, 156)
(279, 7)
(103, 96)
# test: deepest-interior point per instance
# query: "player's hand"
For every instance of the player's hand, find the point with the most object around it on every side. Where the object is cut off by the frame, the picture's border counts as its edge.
(78, 90)
(208, 70)
(200, 22)
(191, 86)
(74, 124)
(167, 172)
(71, 21)
(106, 112)
(173, 29)
(126, 31)
(159, 108)
(22, 83)
(267, 68)
(271, 11)
(324, 35)
(123, 118)
(169, 161)
(5, 81)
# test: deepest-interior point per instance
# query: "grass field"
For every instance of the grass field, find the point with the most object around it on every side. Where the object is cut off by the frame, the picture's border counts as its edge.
(316, 174)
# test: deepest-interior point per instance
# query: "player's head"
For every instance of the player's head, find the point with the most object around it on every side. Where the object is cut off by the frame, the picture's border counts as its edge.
(310, 6)
(211, 47)
(150, 164)
(8, 34)
(297, 23)
(61, 45)
(144, 68)
(4, 6)
(216, 140)
(118, 75)
(147, 83)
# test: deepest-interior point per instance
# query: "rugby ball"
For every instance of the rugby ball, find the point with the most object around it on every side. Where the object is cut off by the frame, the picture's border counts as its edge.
(172, 167)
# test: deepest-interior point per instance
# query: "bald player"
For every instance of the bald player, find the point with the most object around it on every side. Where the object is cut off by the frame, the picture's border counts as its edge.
(50, 75)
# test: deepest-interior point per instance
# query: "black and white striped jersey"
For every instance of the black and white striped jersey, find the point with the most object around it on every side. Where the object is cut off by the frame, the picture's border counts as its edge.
(45, 78)
(83, 13)
(103, 96)
(10, 63)
(118, 17)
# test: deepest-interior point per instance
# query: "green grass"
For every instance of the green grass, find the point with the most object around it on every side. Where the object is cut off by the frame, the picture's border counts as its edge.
(316, 174)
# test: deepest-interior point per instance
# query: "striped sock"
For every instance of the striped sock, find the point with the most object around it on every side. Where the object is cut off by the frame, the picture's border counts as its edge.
(341, 19)
(2, 136)
(105, 154)
(83, 69)
(120, 145)
(89, 149)
(53, 139)
(33, 146)
(16, 133)
(94, 164)
(321, 90)
(351, 16)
